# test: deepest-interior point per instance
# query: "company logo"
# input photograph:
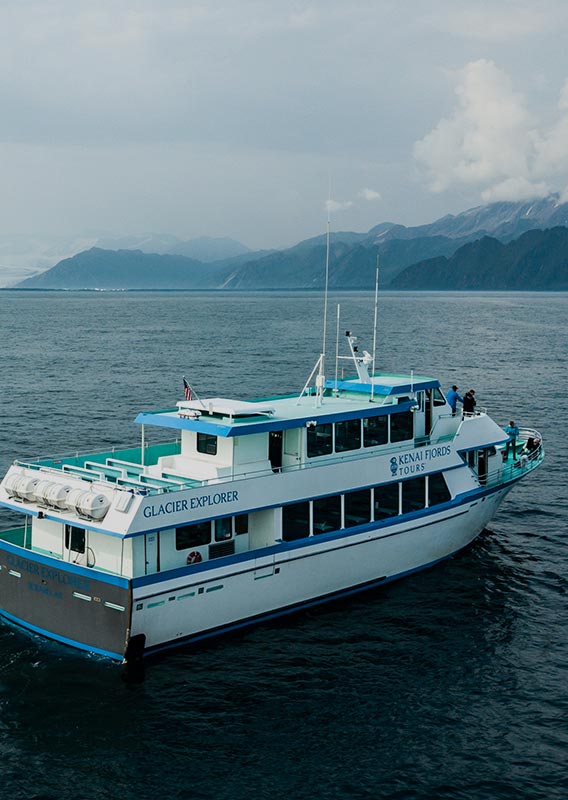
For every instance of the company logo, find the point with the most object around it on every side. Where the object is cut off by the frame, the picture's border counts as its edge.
(394, 466)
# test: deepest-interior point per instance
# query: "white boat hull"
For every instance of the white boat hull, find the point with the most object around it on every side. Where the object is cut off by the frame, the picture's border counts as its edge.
(222, 597)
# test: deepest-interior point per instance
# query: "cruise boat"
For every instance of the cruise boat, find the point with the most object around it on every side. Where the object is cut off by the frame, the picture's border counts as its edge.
(254, 509)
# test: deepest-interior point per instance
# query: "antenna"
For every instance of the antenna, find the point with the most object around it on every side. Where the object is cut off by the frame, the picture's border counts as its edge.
(337, 348)
(375, 328)
(320, 380)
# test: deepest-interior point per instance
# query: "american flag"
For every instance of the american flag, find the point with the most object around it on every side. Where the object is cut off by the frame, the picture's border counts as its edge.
(187, 390)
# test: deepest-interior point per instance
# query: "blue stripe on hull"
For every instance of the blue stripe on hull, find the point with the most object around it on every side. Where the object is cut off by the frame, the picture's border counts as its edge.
(65, 566)
(341, 535)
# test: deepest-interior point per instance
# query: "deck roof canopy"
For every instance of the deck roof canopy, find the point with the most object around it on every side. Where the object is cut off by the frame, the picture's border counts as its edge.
(352, 400)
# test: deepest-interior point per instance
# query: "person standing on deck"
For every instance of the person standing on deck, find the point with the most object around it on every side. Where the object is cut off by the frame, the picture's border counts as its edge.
(513, 432)
(469, 402)
(453, 397)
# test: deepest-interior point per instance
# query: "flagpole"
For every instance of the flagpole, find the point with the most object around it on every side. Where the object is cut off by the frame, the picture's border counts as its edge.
(190, 392)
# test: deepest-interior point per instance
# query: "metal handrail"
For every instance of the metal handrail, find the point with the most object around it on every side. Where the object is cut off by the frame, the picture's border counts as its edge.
(357, 455)
(525, 462)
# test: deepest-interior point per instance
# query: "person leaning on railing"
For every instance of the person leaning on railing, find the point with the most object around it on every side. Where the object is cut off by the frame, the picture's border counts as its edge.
(532, 446)
(469, 402)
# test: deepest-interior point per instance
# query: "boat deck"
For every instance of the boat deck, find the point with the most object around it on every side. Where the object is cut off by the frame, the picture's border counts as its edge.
(128, 468)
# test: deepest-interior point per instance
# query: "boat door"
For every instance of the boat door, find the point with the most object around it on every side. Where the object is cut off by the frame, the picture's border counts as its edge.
(422, 420)
(428, 400)
(151, 552)
(291, 449)
(477, 460)
(482, 466)
(75, 545)
(275, 443)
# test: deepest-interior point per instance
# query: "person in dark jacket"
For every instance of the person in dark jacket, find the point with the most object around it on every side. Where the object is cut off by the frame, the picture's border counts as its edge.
(469, 402)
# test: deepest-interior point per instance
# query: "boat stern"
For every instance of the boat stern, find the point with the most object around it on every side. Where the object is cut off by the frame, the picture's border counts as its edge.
(62, 601)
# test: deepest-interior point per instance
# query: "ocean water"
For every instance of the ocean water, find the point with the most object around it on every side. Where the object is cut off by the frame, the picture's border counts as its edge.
(449, 685)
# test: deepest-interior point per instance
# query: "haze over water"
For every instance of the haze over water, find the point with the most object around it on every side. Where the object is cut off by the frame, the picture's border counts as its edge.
(449, 685)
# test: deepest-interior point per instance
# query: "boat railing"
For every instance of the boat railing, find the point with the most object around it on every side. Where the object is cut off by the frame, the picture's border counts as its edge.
(77, 457)
(502, 474)
(446, 425)
(477, 413)
(137, 486)
(527, 458)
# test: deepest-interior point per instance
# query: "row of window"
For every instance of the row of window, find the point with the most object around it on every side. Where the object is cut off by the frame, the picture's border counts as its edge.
(312, 517)
(218, 530)
(339, 437)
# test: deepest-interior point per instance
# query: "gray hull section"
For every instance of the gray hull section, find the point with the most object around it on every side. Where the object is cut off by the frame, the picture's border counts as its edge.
(67, 605)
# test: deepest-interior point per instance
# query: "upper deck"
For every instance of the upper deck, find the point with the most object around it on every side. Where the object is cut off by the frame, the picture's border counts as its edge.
(222, 440)
(346, 399)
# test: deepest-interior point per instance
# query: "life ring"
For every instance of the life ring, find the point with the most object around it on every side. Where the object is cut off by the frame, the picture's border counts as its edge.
(194, 557)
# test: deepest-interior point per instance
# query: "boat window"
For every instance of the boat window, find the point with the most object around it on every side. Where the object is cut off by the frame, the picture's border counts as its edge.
(357, 507)
(241, 524)
(75, 539)
(327, 514)
(386, 500)
(438, 491)
(402, 426)
(439, 399)
(320, 440)
(375, 431)
(206, 443)
(223, 529)
(296, 521)
(193, 535)
(347, 435)
(413, 495)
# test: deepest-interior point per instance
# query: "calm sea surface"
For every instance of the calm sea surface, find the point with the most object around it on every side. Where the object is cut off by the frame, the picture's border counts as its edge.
(449, 685)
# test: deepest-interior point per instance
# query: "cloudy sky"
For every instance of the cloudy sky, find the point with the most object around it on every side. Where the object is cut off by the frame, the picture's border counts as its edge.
(230, 117)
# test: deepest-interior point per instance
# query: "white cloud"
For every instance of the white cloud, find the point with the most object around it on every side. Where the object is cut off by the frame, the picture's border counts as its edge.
(369, 194)
(487, 137)
(491, 141)
(515, 189)
(337, 205)
(552, 145)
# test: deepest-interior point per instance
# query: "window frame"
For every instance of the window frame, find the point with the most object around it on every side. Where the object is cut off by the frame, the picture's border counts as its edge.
(321, 504)
(394, 418)
(311, 440)
(383, 419)
(348, 436)
(199, 541)
(305, 524)
(72, 533)
(206, 444)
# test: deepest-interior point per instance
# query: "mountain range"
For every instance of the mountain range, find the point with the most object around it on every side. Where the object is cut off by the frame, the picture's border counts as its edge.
(536, 260)
(500, 245)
